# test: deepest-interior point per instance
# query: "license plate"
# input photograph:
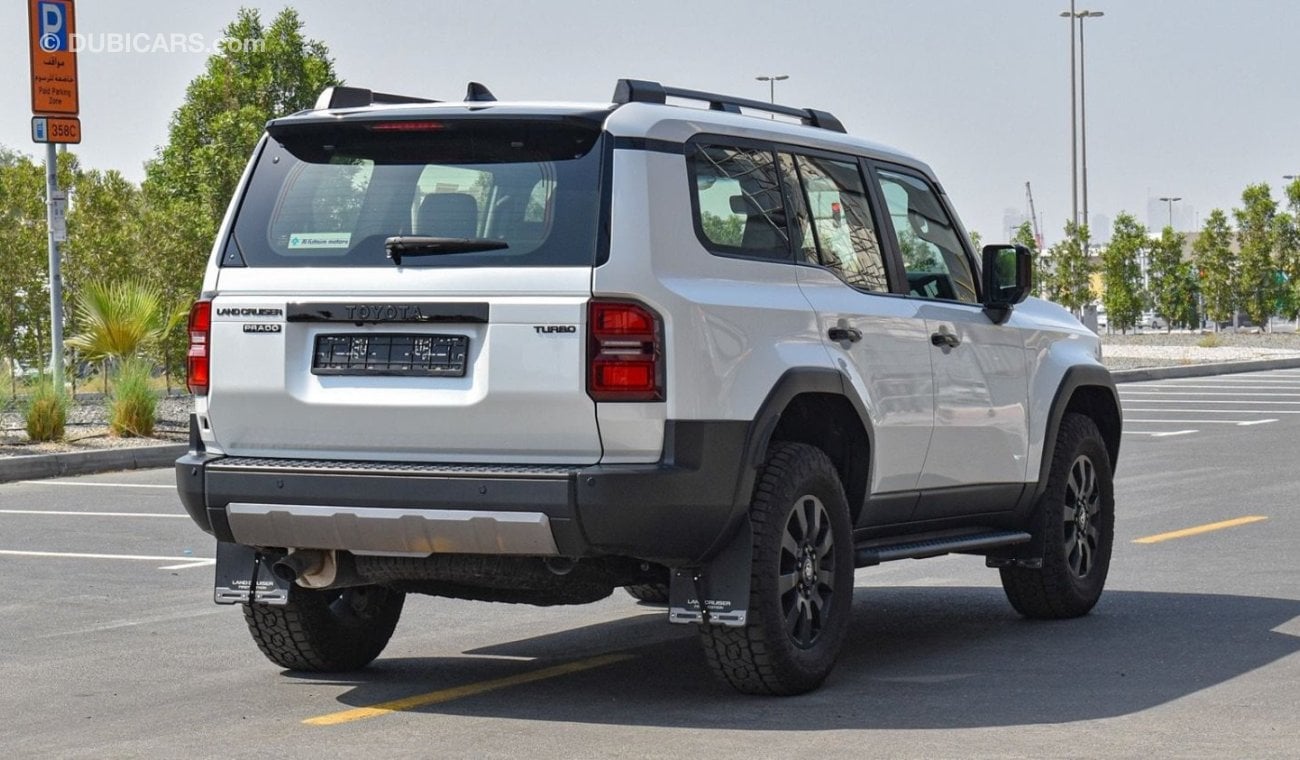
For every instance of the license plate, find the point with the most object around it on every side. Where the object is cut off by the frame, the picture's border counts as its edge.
(393, 354)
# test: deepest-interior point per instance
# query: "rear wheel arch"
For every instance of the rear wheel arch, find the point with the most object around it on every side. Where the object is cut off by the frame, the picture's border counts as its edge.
(818, 407)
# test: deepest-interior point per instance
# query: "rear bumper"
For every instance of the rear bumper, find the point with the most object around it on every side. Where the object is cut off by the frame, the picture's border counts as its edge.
(676, 511)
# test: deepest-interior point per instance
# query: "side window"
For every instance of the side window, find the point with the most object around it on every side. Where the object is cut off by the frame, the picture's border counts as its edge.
(933, 257)
(839, 218)
(738, 199)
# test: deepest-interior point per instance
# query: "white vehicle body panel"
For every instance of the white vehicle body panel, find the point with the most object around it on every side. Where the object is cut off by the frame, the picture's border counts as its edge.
(890, 369)
(980, 422)
(732, 326)
(522, 399)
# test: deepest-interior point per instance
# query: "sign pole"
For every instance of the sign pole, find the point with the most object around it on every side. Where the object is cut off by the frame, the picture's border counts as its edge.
(55, 104)
(55, 210)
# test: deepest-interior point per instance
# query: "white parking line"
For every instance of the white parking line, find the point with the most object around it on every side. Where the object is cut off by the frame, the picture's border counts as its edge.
(1212, 401)
(93, 484)
(1165, 434)
(1240, 423)
(187, 565)
(1206, 382)
(181, 561)
(1214, 411)
(85, 514)
(1151, 392)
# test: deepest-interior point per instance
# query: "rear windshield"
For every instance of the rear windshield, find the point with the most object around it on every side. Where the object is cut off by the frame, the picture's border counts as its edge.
(331, 195)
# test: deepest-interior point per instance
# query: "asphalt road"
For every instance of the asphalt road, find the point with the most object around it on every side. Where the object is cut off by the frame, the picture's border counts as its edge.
(110, 646)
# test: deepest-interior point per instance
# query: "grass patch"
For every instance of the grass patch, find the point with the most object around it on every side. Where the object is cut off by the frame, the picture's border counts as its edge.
(1210, 340)
(46, 412)
(133, 404)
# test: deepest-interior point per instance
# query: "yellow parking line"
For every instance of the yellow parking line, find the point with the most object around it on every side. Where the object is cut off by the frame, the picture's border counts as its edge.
(1199, 529)
(468, 690)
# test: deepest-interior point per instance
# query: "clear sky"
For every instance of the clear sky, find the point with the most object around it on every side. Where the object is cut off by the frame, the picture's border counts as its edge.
(1191, 98)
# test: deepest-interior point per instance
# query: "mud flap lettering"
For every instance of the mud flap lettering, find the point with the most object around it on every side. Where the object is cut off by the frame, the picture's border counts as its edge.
(723, 584)
(244, 576)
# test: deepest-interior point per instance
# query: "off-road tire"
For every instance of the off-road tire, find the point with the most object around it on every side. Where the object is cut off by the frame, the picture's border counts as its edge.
(1076, 551)
(763, 656)
(326, 631)
(655, 593)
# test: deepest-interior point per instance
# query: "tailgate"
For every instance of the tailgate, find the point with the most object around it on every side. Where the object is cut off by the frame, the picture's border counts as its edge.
(388, 371)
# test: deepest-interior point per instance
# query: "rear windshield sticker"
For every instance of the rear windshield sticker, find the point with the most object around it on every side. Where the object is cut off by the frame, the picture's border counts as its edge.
(320, 240)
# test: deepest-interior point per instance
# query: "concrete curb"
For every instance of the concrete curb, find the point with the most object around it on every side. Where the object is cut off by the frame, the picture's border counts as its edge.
(36, 466)
(1202, 370)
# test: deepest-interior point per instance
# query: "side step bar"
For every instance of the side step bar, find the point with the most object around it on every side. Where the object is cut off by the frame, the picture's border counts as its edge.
(933, 547)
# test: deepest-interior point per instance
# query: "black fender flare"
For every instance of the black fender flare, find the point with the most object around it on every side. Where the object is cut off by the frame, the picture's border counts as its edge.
(1075, 378)
(792, 383)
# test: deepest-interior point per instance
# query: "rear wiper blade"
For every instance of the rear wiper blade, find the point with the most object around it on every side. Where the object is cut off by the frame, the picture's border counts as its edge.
(423, 245)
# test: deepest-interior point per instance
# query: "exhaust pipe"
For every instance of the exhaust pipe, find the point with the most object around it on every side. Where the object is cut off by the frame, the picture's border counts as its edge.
(299, 566)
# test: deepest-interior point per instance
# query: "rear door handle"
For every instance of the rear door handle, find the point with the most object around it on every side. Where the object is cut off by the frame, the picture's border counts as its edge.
(844, 334)
(945, 339)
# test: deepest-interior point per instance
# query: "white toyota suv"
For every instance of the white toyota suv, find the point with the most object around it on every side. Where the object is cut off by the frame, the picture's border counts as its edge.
(532, 353)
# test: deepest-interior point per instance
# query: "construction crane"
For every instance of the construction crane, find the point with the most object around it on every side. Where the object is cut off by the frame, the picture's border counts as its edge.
(1033, 217)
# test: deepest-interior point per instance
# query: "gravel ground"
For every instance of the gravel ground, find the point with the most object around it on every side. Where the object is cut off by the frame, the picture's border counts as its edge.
(87, 426)
(1180, 348)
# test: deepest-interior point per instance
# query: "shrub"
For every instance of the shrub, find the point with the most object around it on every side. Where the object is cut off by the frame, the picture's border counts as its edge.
(1209, 340)
(46, 412)
(132, 406)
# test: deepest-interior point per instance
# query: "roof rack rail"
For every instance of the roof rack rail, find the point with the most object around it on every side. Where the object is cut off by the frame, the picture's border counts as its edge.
(642, 91)
(359, 97)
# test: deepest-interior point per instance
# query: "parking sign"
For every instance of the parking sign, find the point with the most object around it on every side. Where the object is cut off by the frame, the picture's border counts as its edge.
(54, 63)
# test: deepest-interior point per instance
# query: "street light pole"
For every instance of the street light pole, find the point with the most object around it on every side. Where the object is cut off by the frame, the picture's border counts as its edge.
(771, 85)
(1171, 201)
(1074, 124)
(1083, 110)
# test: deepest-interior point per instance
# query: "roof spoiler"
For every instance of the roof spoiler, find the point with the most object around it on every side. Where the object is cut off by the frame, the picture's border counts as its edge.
(642, 91)
(359, 97)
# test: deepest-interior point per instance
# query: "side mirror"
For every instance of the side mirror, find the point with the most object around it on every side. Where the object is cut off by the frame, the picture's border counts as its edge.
(1008, 278)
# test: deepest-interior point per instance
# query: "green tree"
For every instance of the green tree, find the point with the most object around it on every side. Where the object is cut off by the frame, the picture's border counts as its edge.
(1121, 273)
(189, 183)
(24, 292)
(1220, 280)
(1071, 284)
(275, 72)
(1173, 289)
(976, 241)
(1025, 236)
(1286, 232)
(1255, 239)
(1286, 237)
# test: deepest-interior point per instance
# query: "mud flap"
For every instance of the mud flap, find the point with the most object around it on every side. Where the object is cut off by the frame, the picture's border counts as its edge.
(244, 577)
(723, 584)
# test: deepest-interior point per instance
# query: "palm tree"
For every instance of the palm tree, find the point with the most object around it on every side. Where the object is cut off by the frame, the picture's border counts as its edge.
(119, 320)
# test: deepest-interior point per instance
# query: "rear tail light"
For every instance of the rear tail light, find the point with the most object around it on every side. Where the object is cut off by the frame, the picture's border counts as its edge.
(624, 352)
(199, 353)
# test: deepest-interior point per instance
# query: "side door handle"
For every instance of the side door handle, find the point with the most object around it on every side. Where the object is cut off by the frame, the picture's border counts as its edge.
(944, 339)
(842, 334)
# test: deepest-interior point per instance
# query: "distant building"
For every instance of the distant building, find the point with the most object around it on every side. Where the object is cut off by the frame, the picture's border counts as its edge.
(1099, 229)
(1011, 221)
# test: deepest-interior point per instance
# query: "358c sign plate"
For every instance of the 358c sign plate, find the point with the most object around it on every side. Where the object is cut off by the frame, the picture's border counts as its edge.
(51, 129)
